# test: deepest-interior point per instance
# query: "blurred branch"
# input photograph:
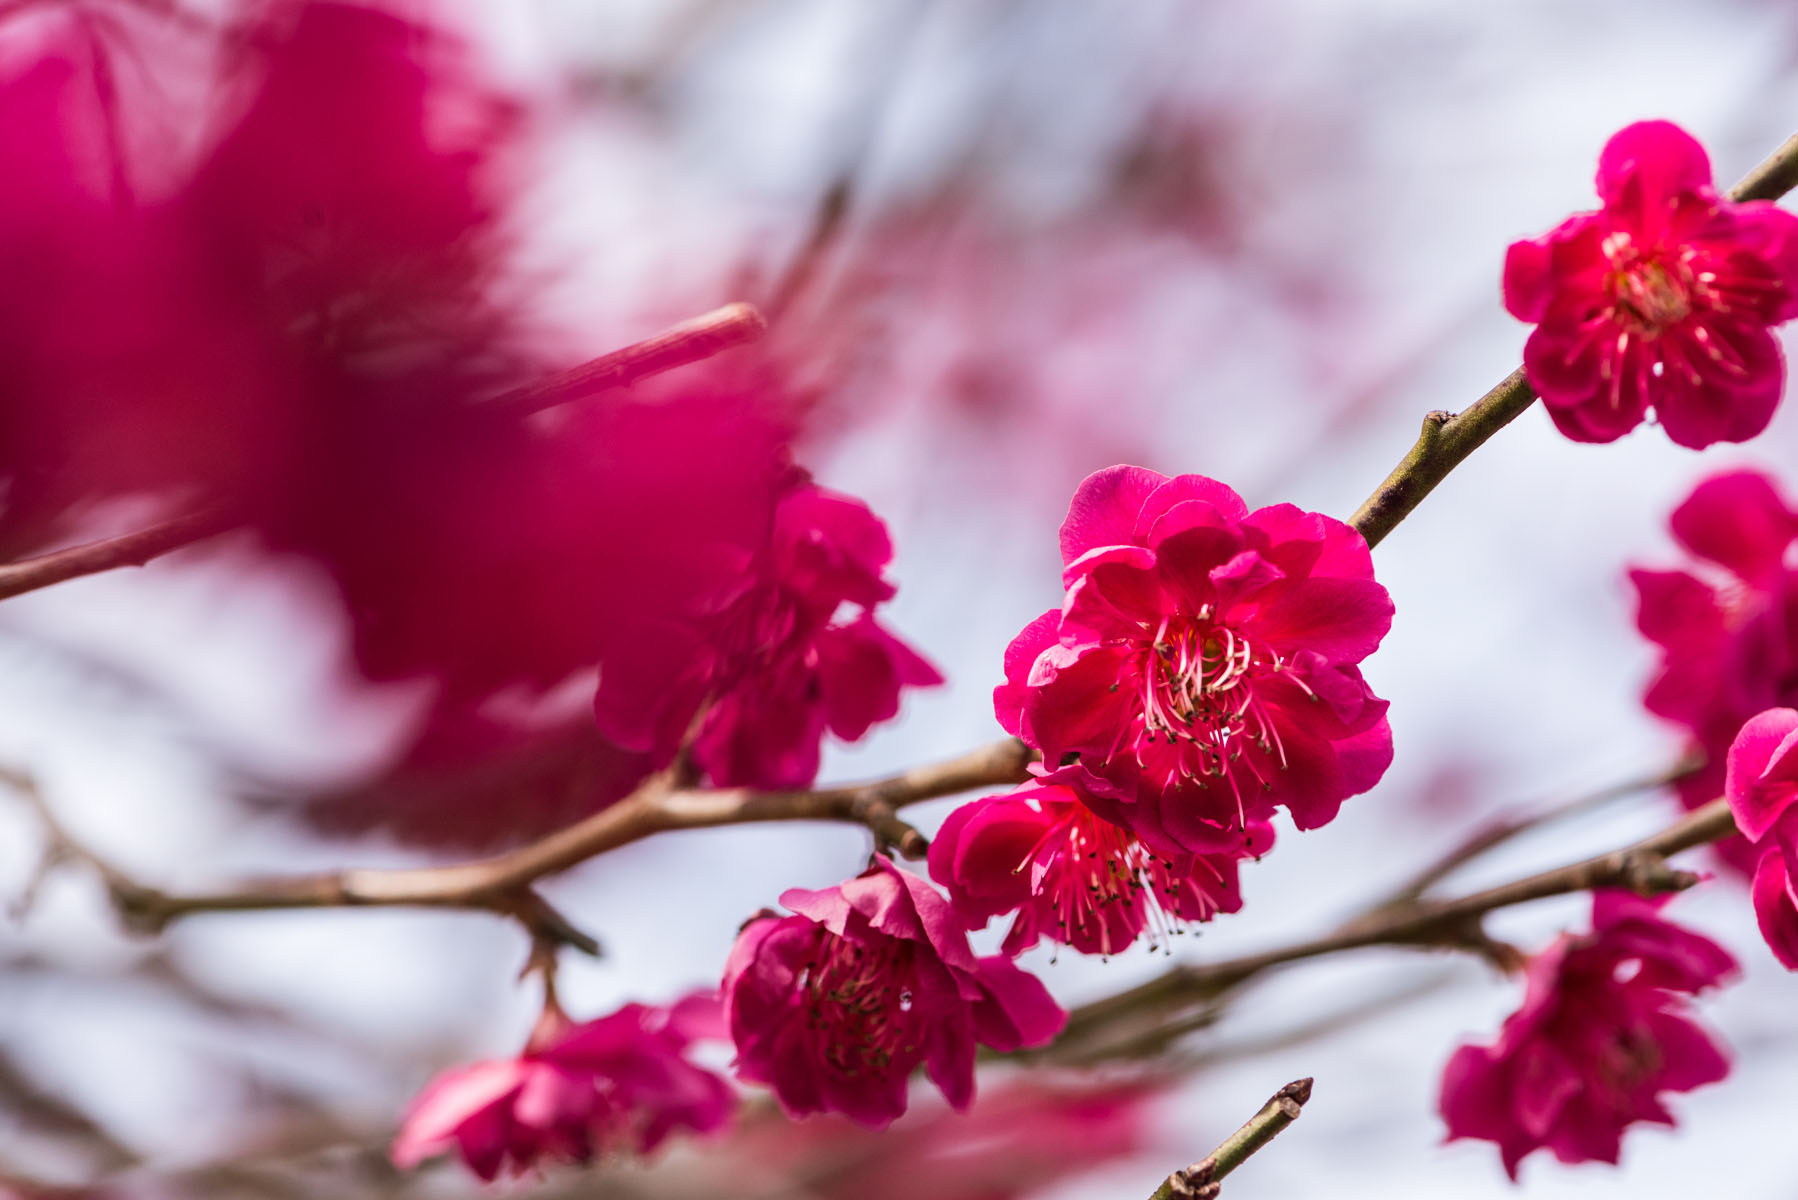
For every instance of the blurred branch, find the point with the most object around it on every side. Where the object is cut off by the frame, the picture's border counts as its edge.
(1448, 438)
(1490, 837)
(1453, 924)
(700, 338)
(1201, 1180)
(502, 883)
(689, 342)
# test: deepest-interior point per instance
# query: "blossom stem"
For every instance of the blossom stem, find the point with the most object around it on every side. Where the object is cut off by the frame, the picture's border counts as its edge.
(1201, 1180)
(700, 338)
(1448, 438)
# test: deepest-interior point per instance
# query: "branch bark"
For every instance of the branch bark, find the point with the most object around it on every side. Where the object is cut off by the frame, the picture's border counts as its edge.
(1448, 438)
(1201, 1180)
(502, 883)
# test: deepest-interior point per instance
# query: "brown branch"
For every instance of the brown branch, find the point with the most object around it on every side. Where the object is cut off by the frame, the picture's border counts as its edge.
(691, 341)
(700, 338)
(502, 883)
(127, 550)
(1448, 438)
(1440, 924)
(1201, 1181)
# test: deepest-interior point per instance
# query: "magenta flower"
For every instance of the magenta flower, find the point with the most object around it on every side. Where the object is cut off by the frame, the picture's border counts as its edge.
(1603, 1031)
(1661, 299)
(836, 1006)
(776, 661)
(1203, 668)
(1072, 876)
(618, 1084)
(1727, 626)
(1762, 784)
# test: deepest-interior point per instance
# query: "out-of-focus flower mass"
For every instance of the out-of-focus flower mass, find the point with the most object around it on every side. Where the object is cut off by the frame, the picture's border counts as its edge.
(1727, 625)
(1604, 1030)
(1204, 668)
(1660, 300)
(1072, 876)
(836, 1006)
(618, 1084)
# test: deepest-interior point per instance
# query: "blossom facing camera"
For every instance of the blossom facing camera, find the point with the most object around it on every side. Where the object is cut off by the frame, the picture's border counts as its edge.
(1203, 669)
(1762, 786)
(1661, 299)
(620, 1084)
(1604, 1030)
(835, 1006)
(1073, 877)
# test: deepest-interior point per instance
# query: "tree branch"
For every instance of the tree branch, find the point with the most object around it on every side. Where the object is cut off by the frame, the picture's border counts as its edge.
(1448, 438)
(702, 337)
(502, 883)
(1439, 924)
(1201, 1180)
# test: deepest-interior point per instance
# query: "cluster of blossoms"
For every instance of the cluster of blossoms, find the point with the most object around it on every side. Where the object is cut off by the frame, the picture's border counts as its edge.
(1603, 1031)
(1659, 300)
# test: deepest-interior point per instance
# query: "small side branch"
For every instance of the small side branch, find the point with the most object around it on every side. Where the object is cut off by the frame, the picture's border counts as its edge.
(1202, 1180)
(1448, 439)
(127, 550)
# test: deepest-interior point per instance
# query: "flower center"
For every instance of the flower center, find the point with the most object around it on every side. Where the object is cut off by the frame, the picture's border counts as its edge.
(1197, 690)
(1092, 867)
(1649, 293)
(860, 1002)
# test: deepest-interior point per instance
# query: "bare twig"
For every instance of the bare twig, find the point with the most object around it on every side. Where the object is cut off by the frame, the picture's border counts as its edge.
(127, 550)
(1201, 1180)
(691, 341)
(502, 883)
(1491, 836)
(1448, 438)
(700, 338)
(1439, 924)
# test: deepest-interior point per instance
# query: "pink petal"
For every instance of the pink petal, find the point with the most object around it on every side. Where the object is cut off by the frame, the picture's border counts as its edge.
(1647, 165)
(1105, 508)
(1775, 909)
(1737, 520)
(1762, 778)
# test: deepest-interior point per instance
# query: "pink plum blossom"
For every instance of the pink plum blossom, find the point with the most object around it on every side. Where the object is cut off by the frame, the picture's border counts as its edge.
(1203, 669)
(790, 650)
(836, 1006)
(1762, 784)
(1727, 625)
(619, 1084)
(1604, 1030)
(1659, 300)
(1072, 876)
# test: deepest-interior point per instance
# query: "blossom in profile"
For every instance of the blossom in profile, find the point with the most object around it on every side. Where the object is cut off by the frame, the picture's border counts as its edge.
(1661, 299)
(1725, 625)
(791, 649)
(1203, 669)
(1762, 786)
(1072, 876)
(620, 1084)
(836, 1006)
(1604, 1031)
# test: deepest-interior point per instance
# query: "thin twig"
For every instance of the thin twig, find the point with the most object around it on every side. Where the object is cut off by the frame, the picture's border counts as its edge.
(700, 338)
(1201, 1180)
(1439, 924)
(1448, 438)
(1491, 836)
(502, 883)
